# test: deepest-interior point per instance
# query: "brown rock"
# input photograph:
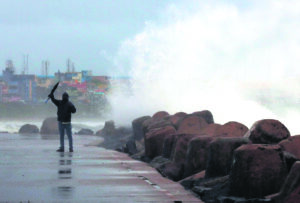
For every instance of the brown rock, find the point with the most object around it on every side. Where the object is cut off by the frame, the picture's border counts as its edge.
(231, 129)
(267, 131)
(294, 197)
(188, 182)
(258, 170)
(137, 126)
(29, 129)
(221, 155)
(197, 155)
(210, 130)
(292, 145)
(160, 115)
(290, 185)
(175, 169)
(171, 170)
(169, 145)
(206, 115)
(191, 125)
(49, 126)
(154, 140)
(175, 119)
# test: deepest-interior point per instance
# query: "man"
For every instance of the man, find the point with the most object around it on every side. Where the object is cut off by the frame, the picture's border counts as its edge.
(64, 110)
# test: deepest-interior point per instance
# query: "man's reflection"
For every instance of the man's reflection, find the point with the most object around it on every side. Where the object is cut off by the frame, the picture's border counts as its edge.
(65, 172)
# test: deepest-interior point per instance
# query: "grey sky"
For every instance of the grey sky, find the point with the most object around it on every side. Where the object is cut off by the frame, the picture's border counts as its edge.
(81, 30)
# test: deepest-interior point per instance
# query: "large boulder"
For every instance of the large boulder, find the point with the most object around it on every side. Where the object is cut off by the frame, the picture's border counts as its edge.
(175, 169)
(258, 170)
(175, 119)
(267, 131)
(85, 131)
(108, 129)
(154, 140)
(188, 182)
(206, 115)
(29, 129)
(220, 156)
(50, 126)
(210, 130)
(160, 115)
(291, 145)
(291, 187)
(197, 155)
(191, 124)
(130, 147)
(231, 129)
(169, 145)
(294, 197)
(137, 127)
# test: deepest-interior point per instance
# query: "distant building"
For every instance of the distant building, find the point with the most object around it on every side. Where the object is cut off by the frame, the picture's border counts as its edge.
(79, 77)
(19, 87)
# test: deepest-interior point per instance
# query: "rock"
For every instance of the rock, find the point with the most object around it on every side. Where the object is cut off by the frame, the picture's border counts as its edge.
(50, 126)
(175, 169)
(131, 147)
(175, 119)
(140, 156)
(211, 189)
(291, 184)
(188, 182)
(291, 145)
(197, 155)
(140, 145)
(181, 146)
(154, 140)
(231, 129)
(160, 115)
(169, 145)
(258, 170)
(221, 155)
(230, 199)
(294, 196)
(29, 129)
(137, 126)
(267, 131)
(155, 124)
(210, 130)
(206, 115)
(180, 114)
(108, 129)
(158, 161)
(85, 131)
(191, 124)
(171, 170)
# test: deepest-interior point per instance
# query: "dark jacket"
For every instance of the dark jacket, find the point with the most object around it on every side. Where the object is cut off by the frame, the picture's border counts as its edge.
(64, 109)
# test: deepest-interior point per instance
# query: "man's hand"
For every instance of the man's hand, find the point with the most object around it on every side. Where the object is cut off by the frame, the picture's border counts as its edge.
(51, 96)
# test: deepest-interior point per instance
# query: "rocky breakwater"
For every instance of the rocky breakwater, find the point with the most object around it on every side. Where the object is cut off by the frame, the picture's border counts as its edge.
(221, 163)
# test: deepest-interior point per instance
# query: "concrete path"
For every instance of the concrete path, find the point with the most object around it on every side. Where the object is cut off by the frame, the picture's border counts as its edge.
(31, 170)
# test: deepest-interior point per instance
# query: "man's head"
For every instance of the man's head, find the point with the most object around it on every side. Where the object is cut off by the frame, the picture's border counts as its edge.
(65, 96)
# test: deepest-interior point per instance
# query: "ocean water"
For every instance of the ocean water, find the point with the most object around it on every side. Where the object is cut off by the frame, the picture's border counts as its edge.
(14, 126)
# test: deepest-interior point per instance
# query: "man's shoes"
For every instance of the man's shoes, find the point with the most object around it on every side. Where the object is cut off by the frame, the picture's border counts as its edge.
(70, 150)
(60, 150)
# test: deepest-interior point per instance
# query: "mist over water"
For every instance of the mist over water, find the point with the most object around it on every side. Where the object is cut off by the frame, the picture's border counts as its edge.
(241, 62)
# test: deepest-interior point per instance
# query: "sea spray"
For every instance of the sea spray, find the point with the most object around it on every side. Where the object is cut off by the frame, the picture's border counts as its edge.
(217, 57)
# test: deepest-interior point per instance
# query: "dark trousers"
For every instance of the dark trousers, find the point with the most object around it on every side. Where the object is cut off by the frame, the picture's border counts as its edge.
(62, 129)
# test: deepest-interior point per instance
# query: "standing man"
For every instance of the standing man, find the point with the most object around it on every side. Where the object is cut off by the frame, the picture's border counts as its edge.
(64, 110)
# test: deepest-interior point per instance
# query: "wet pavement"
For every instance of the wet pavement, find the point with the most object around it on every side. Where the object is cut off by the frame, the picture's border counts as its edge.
(31, 170)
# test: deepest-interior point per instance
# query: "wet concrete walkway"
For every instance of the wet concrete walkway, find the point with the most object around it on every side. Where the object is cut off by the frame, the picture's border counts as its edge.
(31, 170)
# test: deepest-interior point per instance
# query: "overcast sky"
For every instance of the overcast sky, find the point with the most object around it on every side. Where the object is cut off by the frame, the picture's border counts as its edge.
(88, 32)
